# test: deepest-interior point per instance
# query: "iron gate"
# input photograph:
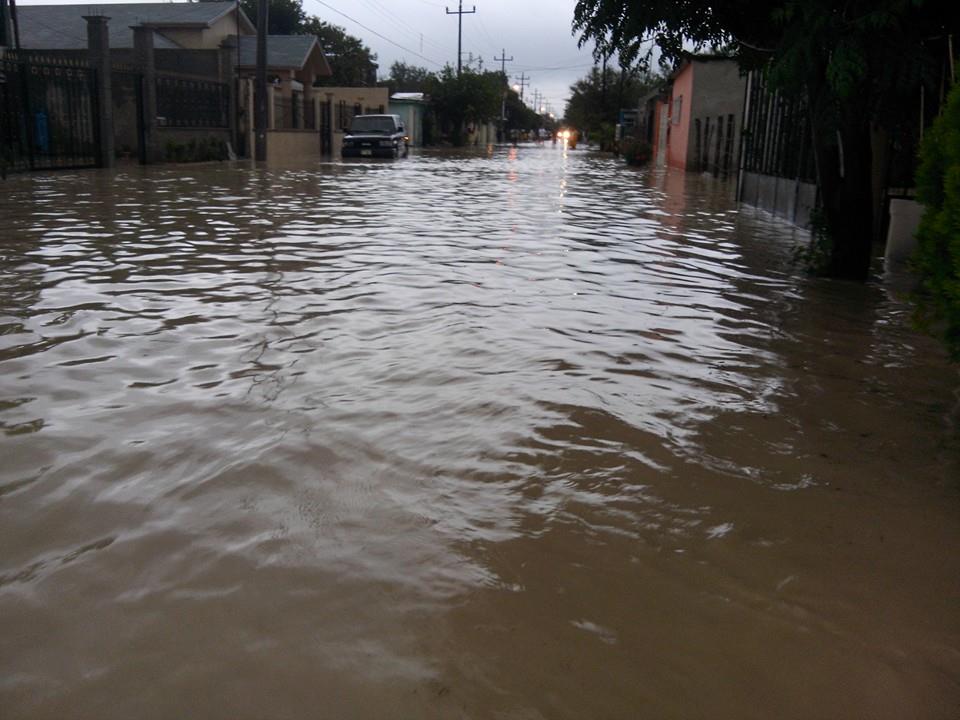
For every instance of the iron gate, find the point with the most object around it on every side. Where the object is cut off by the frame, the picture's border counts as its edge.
(48, 114)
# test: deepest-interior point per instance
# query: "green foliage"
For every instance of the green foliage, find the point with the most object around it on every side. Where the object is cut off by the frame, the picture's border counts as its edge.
(196, 150)
(519, 115)
(594, 101)
(635, 152)
(284, 17)
(458, 101)
(938, 255)
(407, 78)
(856, 65)
(815, 256)
(603, 136)
(352, 62)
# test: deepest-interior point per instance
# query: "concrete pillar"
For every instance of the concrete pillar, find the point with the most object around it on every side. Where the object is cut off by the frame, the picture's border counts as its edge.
(98, 50)
(271, 107)
(228, 76)
(143, 59)
(328, 120)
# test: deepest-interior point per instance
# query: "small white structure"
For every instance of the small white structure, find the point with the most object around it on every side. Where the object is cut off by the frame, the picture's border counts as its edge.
(905, 217)
(410, 106)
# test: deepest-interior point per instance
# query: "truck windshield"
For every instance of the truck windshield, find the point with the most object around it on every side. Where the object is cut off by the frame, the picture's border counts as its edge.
(372, 123)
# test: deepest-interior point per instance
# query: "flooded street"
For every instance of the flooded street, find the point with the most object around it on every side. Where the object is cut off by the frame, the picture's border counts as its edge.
(526, 435)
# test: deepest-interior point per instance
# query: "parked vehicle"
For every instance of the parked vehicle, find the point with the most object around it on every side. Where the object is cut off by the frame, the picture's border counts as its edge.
(376, 136)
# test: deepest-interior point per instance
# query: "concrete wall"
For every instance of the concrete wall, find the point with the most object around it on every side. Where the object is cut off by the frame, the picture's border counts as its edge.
(366, 97)
(786, 198)
(292, 145)
(718, 92)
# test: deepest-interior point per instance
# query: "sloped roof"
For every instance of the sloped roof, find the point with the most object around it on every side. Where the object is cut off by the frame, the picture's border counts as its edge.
(62, 27)
(408, 97)
(283, 51)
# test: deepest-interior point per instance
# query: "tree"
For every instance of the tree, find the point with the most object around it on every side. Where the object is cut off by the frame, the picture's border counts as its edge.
(856, 64)
(352, 62)
(595, 102)
(285, 17)
(408, 78)
(938, 257)
(519, 116)
(459, 100)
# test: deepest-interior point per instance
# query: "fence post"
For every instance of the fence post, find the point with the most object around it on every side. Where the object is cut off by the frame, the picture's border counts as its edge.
(228, 75)
(329, 123)
(143, 59)
(98, 50)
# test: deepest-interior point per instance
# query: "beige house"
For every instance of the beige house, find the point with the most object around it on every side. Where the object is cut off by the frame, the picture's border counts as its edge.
(345, 102)
(184, 26)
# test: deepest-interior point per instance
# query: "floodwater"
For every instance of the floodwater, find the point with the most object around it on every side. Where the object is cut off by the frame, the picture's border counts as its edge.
(518, 435)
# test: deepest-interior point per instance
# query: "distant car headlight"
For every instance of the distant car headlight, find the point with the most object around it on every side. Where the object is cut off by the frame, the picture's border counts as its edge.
(386, 143)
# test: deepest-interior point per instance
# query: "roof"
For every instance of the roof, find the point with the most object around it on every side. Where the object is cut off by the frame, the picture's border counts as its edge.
(408, 97)
(62, 27)
(283, 51)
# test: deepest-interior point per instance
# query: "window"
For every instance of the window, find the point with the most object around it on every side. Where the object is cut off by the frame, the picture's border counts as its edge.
(677, 108)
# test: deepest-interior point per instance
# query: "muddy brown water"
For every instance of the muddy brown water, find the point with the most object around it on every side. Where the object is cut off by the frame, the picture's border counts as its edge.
(524, 435)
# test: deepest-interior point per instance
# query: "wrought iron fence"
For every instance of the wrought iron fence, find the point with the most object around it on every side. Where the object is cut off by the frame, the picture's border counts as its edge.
(48, 113)
(776, 135)
(346, 113)
(188, 103)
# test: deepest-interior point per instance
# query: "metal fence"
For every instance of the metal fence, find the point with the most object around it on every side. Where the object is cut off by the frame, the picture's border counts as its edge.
(189, 103)
(48, 114)
(713, 148)
(776, 135)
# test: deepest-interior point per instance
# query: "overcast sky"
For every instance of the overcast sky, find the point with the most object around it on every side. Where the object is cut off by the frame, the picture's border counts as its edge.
(536, 33)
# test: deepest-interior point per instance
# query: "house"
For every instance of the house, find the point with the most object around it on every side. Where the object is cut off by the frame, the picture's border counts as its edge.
(202, 58)
(345, 102)
(295, 111)
(194, 26)
(697, 122)
(411, 107)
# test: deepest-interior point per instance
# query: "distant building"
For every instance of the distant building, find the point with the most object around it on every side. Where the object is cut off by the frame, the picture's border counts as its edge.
(695, 123)
(411, 107)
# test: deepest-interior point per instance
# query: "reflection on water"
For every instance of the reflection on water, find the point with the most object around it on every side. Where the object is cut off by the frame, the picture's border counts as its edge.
(527, 434)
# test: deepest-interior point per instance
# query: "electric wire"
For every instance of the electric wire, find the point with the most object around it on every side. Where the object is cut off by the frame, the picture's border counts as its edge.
(378, 34)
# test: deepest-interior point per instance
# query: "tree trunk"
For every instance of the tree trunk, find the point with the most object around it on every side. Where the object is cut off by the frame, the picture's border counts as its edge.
(844, 171)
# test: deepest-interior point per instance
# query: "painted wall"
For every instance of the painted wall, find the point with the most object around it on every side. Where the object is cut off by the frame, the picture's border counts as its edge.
(284, 146)
(718, 93)
(678, 138)
(412, 115)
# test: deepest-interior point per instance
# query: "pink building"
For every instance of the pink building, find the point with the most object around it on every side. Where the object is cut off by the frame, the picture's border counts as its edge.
(696, 125)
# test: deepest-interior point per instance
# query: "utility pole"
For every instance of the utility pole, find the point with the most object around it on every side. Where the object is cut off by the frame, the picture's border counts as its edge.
(503, 60)
(506, 86)
(260, 84)
(460, 12)
(524, 81)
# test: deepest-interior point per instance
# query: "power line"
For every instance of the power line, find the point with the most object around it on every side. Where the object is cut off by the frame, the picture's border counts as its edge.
(405, 27)
(379, 35)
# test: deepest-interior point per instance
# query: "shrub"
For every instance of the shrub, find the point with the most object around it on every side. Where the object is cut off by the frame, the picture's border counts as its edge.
(196, 150)
(635, 152)
(938, 254)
